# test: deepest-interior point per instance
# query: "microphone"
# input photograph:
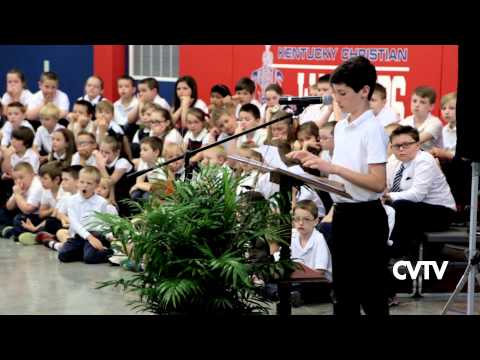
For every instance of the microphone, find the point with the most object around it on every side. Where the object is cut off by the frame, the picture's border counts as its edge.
(306, 100)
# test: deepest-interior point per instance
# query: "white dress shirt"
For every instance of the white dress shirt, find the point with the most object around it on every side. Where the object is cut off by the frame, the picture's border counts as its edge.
(422, 181)
(121, 111)
(60, 100)
(90, 161)
(81, 213)
(25, 97)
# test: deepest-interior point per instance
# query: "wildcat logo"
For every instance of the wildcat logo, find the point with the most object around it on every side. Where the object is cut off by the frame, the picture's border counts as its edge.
(439, 272)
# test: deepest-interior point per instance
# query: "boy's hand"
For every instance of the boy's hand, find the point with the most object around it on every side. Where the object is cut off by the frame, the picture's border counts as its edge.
(97, 244)
(28, 225)
(17, 190)
(101, 162)
(71, 117)
(132, 189)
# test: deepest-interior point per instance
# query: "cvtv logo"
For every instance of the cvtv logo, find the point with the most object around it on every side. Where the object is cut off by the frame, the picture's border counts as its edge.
(414, 272)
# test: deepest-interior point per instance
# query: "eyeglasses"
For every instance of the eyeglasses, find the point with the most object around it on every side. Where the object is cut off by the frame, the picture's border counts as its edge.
(404, 145)
(300, 219)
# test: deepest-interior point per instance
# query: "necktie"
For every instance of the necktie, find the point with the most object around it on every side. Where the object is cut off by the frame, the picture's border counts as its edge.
(397, 179)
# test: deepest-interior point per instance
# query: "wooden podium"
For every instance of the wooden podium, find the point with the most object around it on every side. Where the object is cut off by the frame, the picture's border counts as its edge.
(287, 177)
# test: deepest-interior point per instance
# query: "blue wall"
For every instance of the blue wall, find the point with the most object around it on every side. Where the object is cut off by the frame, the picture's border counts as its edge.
(72, 63)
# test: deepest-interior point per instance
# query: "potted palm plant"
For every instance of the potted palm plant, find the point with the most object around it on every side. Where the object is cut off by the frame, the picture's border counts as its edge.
(201, 246)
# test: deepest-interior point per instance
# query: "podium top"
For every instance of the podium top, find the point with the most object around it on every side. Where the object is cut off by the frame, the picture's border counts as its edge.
(296, 172)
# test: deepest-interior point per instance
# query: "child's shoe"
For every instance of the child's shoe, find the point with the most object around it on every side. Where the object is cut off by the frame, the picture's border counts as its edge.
(27, 238)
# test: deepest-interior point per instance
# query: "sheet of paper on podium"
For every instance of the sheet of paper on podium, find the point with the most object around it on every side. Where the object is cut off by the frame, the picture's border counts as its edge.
(298, 173)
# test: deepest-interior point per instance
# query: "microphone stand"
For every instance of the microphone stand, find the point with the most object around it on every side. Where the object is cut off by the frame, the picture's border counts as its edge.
(284, 307)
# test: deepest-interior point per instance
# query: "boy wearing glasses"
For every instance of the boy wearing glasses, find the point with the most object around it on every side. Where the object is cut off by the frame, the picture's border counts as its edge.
(418, 191)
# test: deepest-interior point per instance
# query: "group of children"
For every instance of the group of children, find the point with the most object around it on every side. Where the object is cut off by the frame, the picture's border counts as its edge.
(61, 164)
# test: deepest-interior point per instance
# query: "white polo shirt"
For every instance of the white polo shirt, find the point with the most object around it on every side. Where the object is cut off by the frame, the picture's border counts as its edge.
(60, 100)
(81, 213)
(431, 125)
(30, 157)
(422, 181)
(173, 137)
(387, 116)
(8, 129)
(316, 254)
(25, 97)
(95, 101)
(202, 136)
(358, 144)
(43, 138)
(121, 111)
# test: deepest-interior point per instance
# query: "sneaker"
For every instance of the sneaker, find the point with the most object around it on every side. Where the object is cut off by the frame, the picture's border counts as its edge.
(44, 237)
(5, 231)
(117, 260)
(131, 265)
(27, 238)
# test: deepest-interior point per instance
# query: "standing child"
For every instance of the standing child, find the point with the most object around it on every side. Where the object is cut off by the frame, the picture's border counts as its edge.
(360, 226)
(85, 244)
(48, 93)
(16, 89)
(429, 126)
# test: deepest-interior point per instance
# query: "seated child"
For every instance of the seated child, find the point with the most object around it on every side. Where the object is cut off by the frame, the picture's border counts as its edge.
(55, 232)
(50, 176)
(163, 128)
(112, 165)
(145, 126)
(49, 116)
(378, 103)
(249, 118)
(93, 90)
(150, 150)
(86, 146)
(175, 170)
(107, 127)
(20, 151)
(48, 93)
(84, 243)
(63, 147)
(16, 118)
(81, 118)
(25, 200)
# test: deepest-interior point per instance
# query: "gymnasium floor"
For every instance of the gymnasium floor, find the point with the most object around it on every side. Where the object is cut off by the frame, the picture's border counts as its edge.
(33, 281)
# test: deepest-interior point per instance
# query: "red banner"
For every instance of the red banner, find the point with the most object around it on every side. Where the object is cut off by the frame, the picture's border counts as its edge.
(400, 68)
